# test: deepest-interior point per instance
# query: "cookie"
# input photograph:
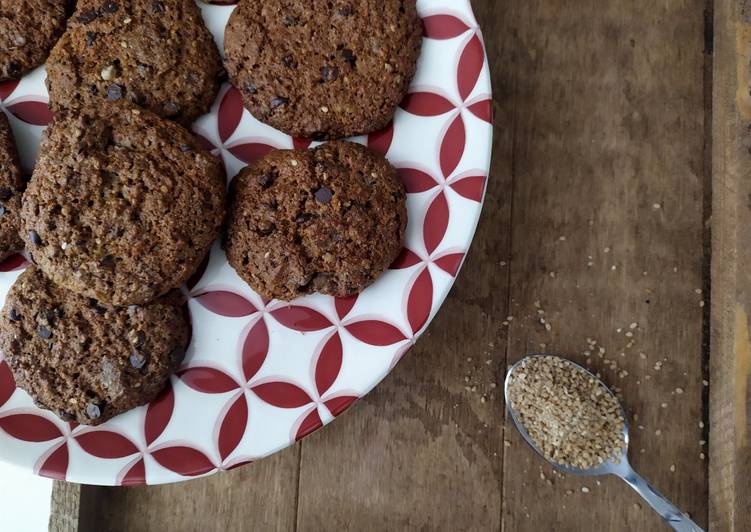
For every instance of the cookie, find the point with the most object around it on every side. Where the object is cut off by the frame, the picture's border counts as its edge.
(326, 220)
(28, 30)
(157, 54)
(11, 189)
(323, 69)
(123, 205)
(84, 360)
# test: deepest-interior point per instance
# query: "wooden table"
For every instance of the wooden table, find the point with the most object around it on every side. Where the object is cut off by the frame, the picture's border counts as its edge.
(621, 167)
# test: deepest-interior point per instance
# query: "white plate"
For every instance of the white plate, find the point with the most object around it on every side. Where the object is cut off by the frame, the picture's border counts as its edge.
(260, 375)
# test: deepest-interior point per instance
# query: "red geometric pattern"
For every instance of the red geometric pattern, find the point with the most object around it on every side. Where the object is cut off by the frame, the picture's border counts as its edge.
(30, 109)
(260, 375)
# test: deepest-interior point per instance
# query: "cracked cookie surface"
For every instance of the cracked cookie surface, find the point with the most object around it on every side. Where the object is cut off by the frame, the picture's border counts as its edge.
(28, 30)
(123, 205)
(323, 69)
(329, 220)
(155, 53)
(84, 360)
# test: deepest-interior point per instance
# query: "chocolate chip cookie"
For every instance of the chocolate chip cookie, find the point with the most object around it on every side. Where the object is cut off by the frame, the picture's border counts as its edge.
(28, 29)
(84, 360)
(323, 69)
(123, 205)
(327, 220)
(11, 189)
(155, 53)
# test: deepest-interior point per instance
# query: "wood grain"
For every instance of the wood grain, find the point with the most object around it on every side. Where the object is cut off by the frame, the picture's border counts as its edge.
(65, 507)
(600, 131)
(261, 496)
(423, 451)
(607, 241)
(730, 444)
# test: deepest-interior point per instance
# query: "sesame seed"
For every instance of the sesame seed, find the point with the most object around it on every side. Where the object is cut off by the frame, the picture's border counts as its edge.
(545, 391)
(585, 489)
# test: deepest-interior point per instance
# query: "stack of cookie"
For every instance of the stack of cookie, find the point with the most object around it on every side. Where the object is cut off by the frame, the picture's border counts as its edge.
(124, 203)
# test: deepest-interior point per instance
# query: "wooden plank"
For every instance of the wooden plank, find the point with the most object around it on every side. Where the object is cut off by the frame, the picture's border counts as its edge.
(64, 509)
(260, 496)
(608, 232)
(423, 451)
(730, 450)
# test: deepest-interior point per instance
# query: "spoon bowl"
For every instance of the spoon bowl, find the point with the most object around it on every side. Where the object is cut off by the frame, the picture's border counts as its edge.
(617, 465)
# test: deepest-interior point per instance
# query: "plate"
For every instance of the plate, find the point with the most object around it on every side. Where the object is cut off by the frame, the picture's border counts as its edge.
(260, 375)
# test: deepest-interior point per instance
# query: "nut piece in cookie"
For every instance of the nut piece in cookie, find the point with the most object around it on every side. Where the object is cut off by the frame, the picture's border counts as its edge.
(327, 220)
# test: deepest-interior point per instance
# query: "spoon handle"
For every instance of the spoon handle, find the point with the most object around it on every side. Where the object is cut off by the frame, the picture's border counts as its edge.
(667, 510)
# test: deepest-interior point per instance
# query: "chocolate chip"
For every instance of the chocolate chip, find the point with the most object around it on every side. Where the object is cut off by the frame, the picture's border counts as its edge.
(279, 101)
(96, 307)
(185, 148)
(110, 7)
(266, 180)
(44, 333)
(65, 416)
(318, 135)
(157, 7)
(289, 61)
(324, 195)
(177, 355)
(5, 193)
(108, 261)
(349, 56)
(115, 92)
(50, 316)
(137, 360)
(90, 38)
(13, 315)
(93, 90)
(87, 16)
(14, 69)
(172, 108)
(250, 88)
(346, 11)
(35, 238)
(93, 411)
(303, 217)
(290, 20)
(137, 99)
(329, 73)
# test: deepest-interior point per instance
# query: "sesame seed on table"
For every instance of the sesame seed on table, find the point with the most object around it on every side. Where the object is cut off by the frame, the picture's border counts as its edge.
(606, 134)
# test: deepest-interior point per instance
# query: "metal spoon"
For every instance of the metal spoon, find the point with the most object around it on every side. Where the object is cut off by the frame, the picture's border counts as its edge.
(673, 516)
